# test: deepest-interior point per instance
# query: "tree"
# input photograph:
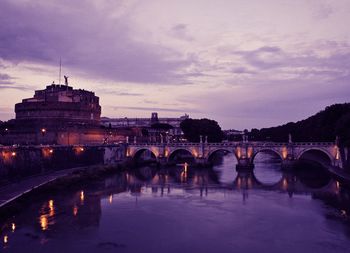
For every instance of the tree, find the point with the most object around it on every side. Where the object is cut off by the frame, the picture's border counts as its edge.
(342, 129)
(161, 126)
(323, 126)
(193, 128)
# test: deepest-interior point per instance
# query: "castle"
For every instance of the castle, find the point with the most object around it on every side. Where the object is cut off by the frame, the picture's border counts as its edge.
(57, 105)
(59, 114)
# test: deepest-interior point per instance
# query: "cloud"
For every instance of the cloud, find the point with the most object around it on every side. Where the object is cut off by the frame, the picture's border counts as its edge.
(6, 82)
(16, 87)
(5, 79)
(146, 101)
(322, 11)
(266, 57)
(310, 61)
(242, 70)
(155, 109)
(118, 93)
(254, 64)
(88, 37)
(180, 31)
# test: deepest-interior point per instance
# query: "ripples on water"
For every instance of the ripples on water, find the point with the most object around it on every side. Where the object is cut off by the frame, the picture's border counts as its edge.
(178, 210)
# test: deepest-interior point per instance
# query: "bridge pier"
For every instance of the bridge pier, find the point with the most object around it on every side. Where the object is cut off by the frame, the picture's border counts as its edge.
(201, 161)
(288, 164)
(162, 161)
(244, 164)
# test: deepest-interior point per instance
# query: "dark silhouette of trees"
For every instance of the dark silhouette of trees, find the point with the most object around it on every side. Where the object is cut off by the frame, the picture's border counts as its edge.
(323, 126)
(193, 128)
(161, 126)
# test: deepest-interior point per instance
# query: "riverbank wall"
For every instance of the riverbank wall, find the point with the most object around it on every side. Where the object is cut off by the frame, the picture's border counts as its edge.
(24, 161)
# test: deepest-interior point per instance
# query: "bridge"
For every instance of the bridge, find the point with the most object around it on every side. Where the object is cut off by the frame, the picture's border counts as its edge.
(326, 153)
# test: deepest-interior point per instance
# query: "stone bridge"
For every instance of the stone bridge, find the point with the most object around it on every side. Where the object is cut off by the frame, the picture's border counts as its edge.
(326, 153)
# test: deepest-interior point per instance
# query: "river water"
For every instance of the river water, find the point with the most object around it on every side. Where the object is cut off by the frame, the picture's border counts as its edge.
(189, 210)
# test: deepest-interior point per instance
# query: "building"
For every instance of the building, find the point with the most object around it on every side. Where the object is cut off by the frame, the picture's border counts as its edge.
(233, 135)
(59, 104)
(59, 114)
(147, 123)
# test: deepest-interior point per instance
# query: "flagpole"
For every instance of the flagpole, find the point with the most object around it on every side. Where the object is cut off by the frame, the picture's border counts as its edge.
(59, 77)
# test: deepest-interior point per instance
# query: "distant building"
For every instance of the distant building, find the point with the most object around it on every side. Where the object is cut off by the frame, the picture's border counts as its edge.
(233, 135)
(146, 123)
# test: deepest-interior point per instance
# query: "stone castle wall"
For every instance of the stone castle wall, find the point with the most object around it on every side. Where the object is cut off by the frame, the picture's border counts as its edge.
(78, 112)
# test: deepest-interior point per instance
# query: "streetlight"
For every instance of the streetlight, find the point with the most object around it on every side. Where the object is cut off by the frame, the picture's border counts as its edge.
(43, 132)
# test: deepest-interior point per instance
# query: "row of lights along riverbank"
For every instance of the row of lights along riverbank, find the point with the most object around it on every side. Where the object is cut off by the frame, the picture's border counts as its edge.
(46, 151)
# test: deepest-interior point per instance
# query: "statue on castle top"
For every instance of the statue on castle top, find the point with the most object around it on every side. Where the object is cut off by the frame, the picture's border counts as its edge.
(65, 80)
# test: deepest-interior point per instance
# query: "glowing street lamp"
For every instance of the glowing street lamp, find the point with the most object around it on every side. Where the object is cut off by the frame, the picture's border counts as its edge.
(43, 132)
(6, 238)
(75, 210)
(82, 196)
(110, 199)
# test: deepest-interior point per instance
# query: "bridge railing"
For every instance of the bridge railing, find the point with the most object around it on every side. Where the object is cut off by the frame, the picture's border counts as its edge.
(314, 143)
(232, 144)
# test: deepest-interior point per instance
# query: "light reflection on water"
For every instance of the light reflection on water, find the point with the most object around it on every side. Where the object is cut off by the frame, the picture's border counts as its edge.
(47, 213)
(182, 209)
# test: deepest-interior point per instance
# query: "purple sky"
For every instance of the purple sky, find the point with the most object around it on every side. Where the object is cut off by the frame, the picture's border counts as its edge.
(243, 63)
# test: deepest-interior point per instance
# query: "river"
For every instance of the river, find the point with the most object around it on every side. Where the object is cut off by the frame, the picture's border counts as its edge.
(189, 210)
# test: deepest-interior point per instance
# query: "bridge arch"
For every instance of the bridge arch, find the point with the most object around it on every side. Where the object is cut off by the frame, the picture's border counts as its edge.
(267, 150)
(138, 153)
(212, 152)
(319, 155)
(174, 152)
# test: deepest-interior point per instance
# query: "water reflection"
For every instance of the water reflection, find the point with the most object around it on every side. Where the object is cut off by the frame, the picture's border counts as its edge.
(190, 178)
(47, 215)
(224, 164)
(105, 213)
(267, 167)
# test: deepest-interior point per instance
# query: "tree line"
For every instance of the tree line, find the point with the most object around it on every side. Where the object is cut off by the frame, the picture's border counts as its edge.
(326, 125)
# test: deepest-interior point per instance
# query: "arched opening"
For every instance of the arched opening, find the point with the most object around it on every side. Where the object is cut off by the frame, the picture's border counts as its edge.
(311, 168)
(218, 156)
(224, 164)
(181, 156)
(317, 156)
(144, 156)
(267, 166)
